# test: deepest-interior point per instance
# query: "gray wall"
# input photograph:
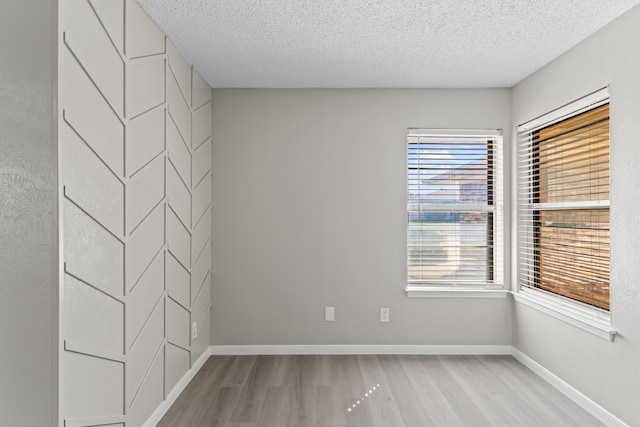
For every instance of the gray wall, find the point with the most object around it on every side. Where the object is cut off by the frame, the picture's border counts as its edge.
(608, 373)
(28, 220)
(135, 143)
(310, 190)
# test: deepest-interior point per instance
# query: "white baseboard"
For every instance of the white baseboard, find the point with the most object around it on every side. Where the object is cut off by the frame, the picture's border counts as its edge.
(177, 390)
(589, 405)
(360, 349)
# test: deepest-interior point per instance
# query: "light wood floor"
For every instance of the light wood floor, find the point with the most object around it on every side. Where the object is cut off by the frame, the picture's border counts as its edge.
(440, 391)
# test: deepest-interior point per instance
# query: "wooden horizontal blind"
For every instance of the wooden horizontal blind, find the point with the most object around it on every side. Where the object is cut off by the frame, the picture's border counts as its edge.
(563, 206)
(454, 233)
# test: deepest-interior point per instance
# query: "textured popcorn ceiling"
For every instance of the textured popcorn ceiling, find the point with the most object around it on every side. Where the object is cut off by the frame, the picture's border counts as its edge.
(377, 43)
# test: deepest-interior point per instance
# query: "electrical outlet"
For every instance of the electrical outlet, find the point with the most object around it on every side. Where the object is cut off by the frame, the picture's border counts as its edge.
(384, 314)
(329, 314)
(194, 330)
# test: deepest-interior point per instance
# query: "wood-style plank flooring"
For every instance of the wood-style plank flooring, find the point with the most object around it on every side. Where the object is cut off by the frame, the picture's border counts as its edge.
(387, 391)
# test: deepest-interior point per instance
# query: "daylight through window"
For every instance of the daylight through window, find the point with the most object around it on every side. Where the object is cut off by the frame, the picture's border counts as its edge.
(454, 231)
(563, 212)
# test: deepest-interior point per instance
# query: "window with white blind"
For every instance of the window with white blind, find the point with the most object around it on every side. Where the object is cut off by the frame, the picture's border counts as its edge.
(454, 209)
(563, 205)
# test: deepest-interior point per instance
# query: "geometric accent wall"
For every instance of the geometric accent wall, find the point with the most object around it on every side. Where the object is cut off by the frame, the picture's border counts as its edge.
(135, 161)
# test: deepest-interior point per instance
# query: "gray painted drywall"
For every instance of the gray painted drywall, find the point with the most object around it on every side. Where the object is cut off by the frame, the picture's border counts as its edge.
(28, 220)
(608, 373)
(310, 190)
(135, 127)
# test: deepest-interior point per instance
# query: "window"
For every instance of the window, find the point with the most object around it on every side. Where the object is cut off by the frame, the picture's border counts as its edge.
(563, 202)
(454, 207)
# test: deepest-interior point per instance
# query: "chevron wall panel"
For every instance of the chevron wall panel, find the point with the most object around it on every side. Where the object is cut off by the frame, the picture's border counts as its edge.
(145, 140)
(135, 149)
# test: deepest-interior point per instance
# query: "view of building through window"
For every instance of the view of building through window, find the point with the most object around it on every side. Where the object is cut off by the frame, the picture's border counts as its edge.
(451, 209)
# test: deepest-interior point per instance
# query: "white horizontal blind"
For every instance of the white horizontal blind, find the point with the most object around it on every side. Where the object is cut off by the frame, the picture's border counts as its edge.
(454, 232)
(563, 203)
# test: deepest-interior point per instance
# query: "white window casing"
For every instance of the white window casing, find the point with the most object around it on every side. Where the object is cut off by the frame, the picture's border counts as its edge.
(562, 197)
(455, 213)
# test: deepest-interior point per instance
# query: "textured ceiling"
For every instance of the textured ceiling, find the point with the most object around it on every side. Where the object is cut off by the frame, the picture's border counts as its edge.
(377, 43)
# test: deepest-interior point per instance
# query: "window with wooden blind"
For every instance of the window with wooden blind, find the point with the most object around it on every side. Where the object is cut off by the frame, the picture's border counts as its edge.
(563, 202)
(454, 208)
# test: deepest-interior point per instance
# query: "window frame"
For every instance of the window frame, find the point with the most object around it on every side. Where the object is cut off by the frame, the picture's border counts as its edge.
(584, 316)
(476, 289)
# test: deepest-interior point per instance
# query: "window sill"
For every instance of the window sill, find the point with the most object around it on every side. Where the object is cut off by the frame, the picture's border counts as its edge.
(595, 322)
(451, 292)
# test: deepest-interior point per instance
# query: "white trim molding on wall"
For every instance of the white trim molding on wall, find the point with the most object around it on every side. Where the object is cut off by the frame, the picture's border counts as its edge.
(161, 410)
(240, 350)
(587, 404)
(342, 349)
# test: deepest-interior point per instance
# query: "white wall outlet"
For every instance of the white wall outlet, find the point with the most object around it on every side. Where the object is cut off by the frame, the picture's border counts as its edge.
(384, 314)
(194, 330)
(329, 314)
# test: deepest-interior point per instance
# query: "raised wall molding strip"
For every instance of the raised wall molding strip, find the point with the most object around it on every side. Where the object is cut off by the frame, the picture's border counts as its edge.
(92, 352)
(173, 255)
(203, 142)
(187, 349)
(104, 28)
(173, 74)
(178, 173)
(146, 58)
(84, 141)
(175, 393)
(172, 298)
(170, 115)
(202, 215)
(94, 422)
(160, 350)
(201, 251)
(195, 110)
(204, 281)
(93, 82)
(148, 110)
(68, 195)
(197, 184)
(186, 228)
(157, 253)
(173, 121)
(97, 288)
(148, 214)
(147, 163)
(160, 300)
